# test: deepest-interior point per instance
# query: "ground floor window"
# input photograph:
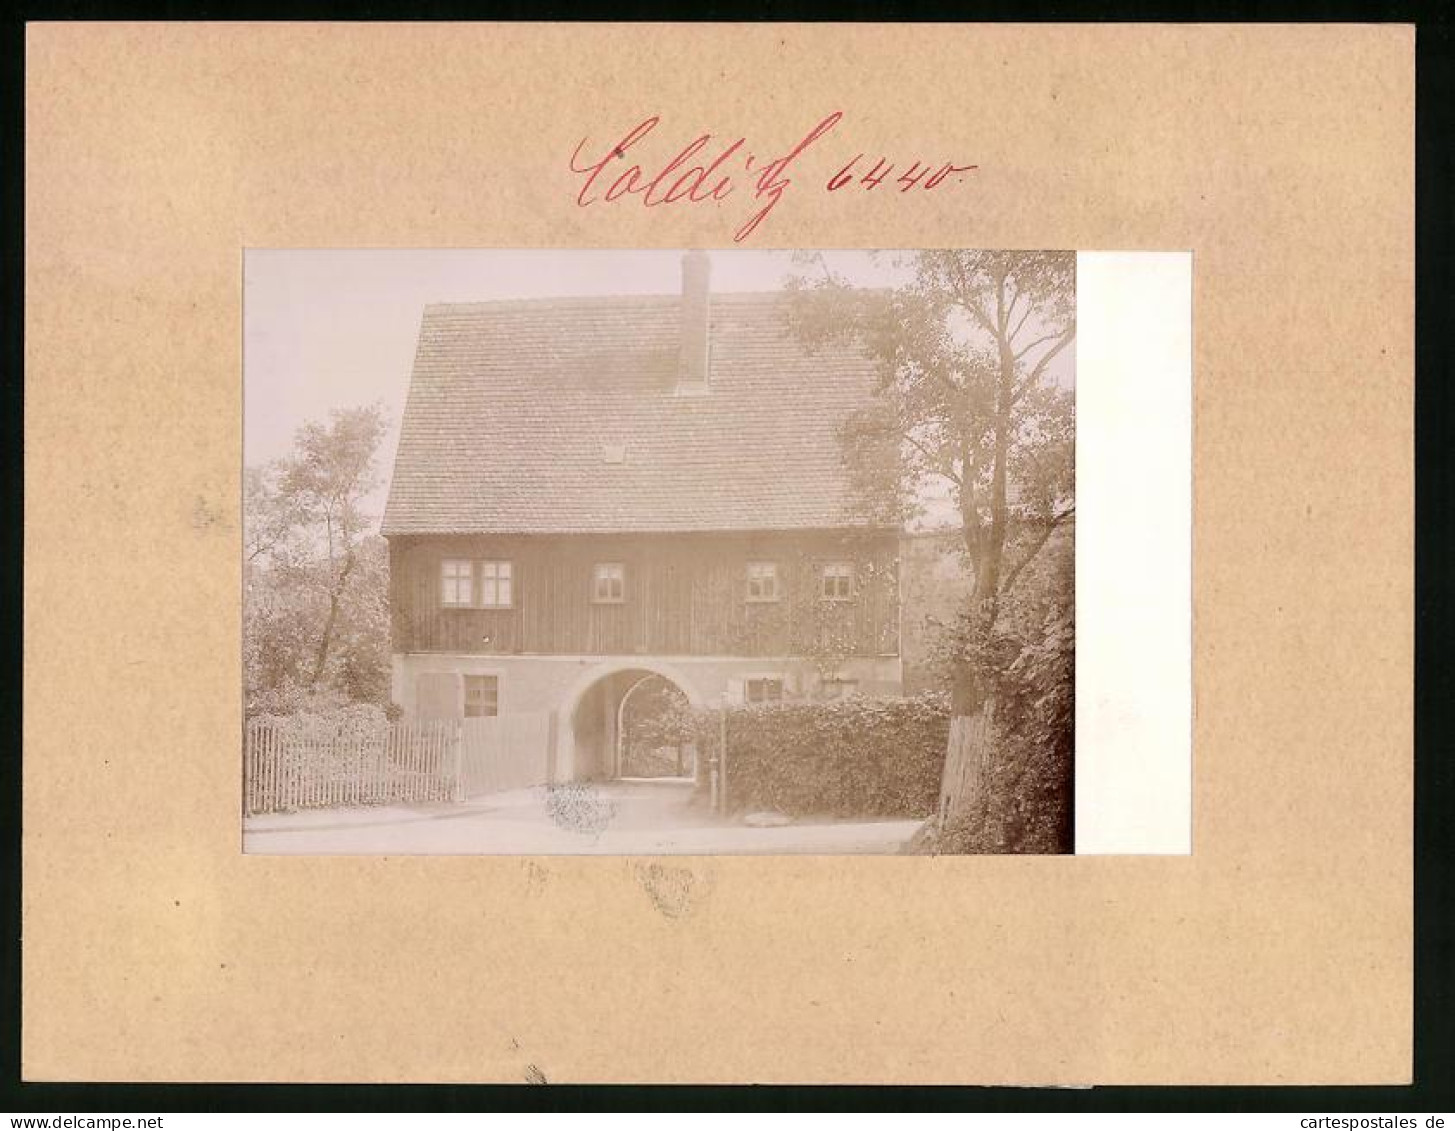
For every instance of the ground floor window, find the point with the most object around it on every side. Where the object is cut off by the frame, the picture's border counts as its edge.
(482, 696)
(838, 688)
(763, 690)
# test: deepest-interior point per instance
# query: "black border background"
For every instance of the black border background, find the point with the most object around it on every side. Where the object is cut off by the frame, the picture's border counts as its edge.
(1433, 1089)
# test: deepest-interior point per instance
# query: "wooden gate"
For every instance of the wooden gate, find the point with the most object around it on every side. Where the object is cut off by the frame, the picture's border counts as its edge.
(289, 765)
(505, 752)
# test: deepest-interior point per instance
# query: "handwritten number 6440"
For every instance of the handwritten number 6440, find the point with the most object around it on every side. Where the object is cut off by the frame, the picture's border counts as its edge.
(879, 174)
(690, 177)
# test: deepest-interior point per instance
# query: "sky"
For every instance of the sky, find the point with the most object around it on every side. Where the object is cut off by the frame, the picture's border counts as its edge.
(330, 329)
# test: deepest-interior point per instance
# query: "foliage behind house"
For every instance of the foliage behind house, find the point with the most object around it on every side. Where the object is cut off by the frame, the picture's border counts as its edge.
(316, 582)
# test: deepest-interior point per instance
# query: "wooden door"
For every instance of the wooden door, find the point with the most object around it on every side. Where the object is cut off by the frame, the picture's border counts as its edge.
(439, 695)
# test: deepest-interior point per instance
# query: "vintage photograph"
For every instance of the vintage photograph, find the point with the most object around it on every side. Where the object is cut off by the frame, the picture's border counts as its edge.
(659, 552)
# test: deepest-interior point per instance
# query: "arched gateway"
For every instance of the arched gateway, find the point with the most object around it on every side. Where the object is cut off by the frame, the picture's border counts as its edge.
(590, 742)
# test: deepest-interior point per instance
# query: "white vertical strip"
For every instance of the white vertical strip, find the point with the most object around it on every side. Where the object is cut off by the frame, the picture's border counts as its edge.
(1134, 552)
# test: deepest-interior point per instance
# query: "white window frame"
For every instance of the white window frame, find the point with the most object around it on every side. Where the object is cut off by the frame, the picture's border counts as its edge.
(465, 678)
(836, 572)
(608, 572)
(464, 573)
(497, 576)
(763, 575)
(487, 583)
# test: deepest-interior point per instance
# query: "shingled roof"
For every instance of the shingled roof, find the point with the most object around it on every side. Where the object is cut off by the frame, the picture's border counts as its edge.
(563, 416)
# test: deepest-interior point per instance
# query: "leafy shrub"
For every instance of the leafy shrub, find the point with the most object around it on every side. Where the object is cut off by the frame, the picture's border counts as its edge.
(292, 697)
(1026, 806)
(327, 720)
(855, 757)
(314, 709)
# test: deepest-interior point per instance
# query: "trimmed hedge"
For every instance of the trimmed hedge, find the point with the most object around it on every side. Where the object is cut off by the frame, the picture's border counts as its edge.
(855, 757)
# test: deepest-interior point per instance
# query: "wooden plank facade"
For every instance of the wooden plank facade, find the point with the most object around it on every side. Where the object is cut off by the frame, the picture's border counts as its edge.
(683, 594)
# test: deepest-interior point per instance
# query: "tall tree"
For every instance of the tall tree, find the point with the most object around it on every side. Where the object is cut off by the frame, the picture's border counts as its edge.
(967, 401)
(327, 478)
(317, 579)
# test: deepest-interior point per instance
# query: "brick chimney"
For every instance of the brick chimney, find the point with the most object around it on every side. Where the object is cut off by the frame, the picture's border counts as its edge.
(696, 292)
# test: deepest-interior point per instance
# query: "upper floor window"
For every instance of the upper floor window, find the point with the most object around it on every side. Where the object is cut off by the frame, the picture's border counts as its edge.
(482, 696)
(458, 584)
(495, 585)
(458, 579)
(609, 583)
(838, 581)
(765, 690)
(762, 581)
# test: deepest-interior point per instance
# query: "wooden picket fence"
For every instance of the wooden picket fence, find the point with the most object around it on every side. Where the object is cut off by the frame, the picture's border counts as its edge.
(286, 767)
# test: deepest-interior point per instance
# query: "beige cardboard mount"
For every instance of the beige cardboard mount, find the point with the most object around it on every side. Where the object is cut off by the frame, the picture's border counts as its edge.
(1278, 952)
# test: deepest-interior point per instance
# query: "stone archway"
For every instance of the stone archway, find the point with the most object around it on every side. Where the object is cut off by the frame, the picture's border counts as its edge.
(591, 716)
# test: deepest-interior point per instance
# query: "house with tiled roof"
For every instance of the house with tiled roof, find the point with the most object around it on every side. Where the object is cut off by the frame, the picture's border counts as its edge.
(591, 491)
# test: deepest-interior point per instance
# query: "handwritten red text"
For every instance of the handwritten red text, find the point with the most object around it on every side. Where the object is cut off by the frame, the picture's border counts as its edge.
(689, 177)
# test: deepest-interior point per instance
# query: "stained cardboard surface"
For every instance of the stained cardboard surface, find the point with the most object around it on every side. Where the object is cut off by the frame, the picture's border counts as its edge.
(1278, 952)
